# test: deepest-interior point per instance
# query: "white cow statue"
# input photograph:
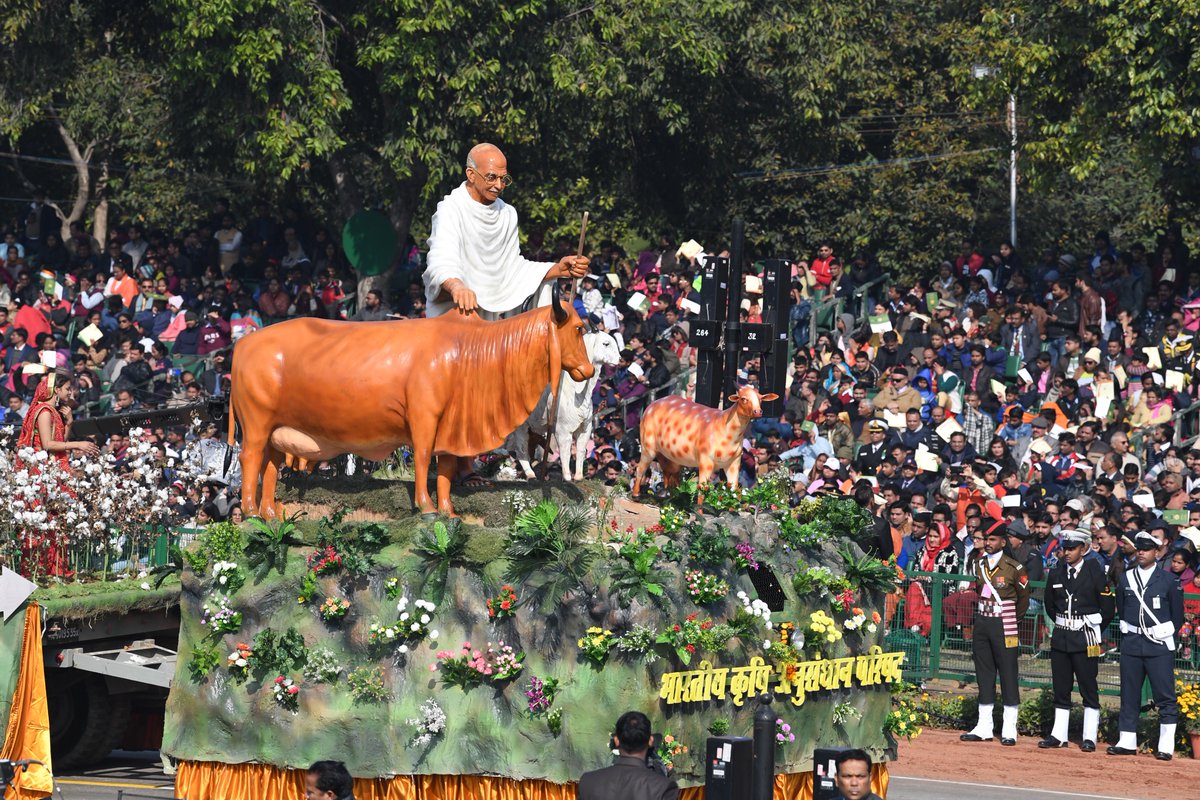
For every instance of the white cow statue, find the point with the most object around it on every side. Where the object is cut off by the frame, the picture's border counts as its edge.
(574, 413)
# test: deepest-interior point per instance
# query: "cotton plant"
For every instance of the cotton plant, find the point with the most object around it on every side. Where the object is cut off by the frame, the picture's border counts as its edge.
(88, 511)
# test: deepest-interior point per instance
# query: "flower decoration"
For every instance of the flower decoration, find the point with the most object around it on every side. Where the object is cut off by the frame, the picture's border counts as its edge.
(239, 661)
(228, 577)
(783, 733)
(669, 749)
(431, 723)
(334, 609)
(502, 605)
(469, 667)
(540, 695)
(325, 561)
(743, 556)
(219, 617)
(692, 635)
(595, 644)
(287, 693)
(1187, 695)
(704, 588)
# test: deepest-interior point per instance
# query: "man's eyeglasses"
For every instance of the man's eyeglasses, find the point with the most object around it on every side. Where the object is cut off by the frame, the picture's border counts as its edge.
(491, 177)
(897, 380)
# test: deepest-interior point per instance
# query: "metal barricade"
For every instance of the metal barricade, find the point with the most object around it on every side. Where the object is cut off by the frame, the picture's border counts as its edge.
(933, 623)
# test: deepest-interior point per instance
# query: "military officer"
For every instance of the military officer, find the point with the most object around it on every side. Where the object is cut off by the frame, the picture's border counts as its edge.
(1151, 607)
(1080, 603)
(1003, 600)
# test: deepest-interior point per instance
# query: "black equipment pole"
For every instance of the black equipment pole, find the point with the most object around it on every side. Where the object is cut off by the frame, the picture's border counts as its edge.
(733, 324)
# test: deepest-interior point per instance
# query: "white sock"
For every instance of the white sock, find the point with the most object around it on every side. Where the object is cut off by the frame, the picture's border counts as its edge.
(1166, 738)
(1127, 740)
(1091, 724)
(1009, 729)
(1062, 719)
(985, 726)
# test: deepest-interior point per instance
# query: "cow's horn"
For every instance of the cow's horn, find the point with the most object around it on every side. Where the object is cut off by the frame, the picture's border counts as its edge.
(560, 313)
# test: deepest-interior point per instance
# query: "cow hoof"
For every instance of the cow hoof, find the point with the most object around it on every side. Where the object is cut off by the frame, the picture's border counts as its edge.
(429, 516)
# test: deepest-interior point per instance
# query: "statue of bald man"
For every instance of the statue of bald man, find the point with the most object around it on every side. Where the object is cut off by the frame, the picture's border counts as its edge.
(475, 262)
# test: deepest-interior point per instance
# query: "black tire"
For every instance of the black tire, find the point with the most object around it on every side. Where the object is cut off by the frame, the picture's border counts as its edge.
(85, 721)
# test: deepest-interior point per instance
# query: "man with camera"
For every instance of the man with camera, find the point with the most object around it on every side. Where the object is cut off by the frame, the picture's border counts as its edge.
(633, 777)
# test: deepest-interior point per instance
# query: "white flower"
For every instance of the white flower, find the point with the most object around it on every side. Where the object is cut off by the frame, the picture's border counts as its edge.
(402, 648)
(424, 619)
(404, 617)
(146, 586)
(766, 644)
(433, 635)
(415, 627)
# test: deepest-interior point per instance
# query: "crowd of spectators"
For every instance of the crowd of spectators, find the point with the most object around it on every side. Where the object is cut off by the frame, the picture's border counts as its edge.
(1051, 391)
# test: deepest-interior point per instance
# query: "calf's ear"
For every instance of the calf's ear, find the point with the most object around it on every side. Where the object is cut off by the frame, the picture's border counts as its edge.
(766, 398)
(733, 398)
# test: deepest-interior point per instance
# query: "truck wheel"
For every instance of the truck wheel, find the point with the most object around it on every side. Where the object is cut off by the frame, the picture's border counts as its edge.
(85, 721)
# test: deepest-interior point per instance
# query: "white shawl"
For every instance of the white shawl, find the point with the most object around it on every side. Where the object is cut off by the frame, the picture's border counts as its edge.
(477, 244)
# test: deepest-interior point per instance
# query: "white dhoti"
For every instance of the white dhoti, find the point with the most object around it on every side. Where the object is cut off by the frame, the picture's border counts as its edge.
(478, 244)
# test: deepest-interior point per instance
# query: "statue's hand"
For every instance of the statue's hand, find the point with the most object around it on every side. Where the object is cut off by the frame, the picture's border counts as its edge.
(464, 299)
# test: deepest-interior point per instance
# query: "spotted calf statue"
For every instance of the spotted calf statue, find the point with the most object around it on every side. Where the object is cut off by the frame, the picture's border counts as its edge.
(680, 433)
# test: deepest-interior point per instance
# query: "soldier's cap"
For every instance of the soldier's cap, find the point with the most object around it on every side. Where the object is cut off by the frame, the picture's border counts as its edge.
(1076, 538)
(996, 529)
(1018, 531)
(1127, 538)
(923, 516)
(1146, 541)
(908, 464)
(876, 425)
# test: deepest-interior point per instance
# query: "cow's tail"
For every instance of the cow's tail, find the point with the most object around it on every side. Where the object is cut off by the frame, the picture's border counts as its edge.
(232, 440)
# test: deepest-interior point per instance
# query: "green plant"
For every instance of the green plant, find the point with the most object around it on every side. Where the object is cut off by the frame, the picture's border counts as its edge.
(351, 545)
(441, 546)
(671, 551)
(817, 580)
(719, 727)
(867, 573)
(684, 495)
(906, 717)
(221, 541)
(640, 642)
(308, 588)
(173, 566)
(769, 491)
(672, 519)
(549, 553)
(691, 636)
(635, 576)
(554, 721)
(205, 659)
(278, 653)
(267, 547)
(367, 685)
(719, 497)
(709, 547)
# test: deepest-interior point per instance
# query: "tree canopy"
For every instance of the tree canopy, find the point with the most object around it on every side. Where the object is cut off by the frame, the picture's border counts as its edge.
(858, 120)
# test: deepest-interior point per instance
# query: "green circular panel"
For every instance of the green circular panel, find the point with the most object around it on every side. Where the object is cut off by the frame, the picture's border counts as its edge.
(369, 242)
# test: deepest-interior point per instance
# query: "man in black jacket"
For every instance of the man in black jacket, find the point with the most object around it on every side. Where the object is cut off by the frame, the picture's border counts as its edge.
(1080, 603)
(1063, 318)
(630, 778)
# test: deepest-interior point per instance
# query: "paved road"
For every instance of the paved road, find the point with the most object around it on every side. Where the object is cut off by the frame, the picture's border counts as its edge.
(139, 776)
(132, 776)
(902, 788)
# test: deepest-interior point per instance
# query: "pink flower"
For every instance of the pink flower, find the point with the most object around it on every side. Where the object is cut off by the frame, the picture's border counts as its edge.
(433, 667)
(279, 681)
(293, 690)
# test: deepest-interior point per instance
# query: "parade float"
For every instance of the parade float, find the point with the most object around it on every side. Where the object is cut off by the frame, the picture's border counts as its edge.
(448, 658)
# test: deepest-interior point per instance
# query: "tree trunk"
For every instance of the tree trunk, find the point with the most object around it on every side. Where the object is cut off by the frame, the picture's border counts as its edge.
(100, 218)
(83, 178)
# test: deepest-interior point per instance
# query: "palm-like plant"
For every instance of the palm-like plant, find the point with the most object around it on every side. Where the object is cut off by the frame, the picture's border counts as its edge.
(547, 551)
(867, 573)
(442, 546)
(173, 566)
(267, 545)
(634, 577)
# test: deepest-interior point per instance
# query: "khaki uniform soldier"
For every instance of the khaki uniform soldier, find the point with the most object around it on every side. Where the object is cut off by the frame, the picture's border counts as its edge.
(1003, 600)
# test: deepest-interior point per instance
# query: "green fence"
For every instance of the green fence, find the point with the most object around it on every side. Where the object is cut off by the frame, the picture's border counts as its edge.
(942, 612)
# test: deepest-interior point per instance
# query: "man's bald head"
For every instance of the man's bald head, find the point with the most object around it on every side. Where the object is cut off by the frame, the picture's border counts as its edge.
(487, 173)
(482, 152)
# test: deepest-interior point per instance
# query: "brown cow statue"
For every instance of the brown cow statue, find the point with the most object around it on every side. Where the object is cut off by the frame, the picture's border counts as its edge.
(681, 433)
(454, 385)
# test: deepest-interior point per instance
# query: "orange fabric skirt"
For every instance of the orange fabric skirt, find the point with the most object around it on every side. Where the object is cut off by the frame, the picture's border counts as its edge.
(202, 780)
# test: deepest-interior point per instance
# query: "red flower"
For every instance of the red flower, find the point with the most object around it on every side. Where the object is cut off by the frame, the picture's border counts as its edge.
(293, 690)
(506, 605)
(677, 629)
(708, 623)
(691, 648)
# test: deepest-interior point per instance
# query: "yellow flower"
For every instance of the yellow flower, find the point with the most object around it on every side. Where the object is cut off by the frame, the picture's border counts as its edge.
(597, 640)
